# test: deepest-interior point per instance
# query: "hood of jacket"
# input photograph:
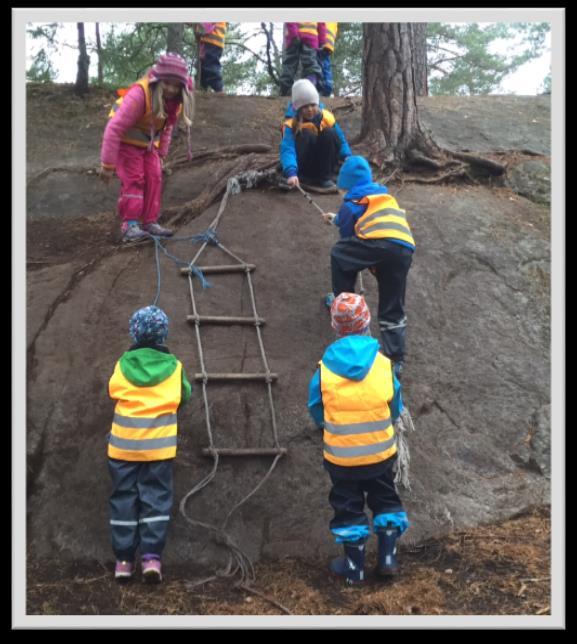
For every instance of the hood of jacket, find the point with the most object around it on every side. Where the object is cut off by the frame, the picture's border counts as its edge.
(147, 367)
(356, 177)
(352, 356)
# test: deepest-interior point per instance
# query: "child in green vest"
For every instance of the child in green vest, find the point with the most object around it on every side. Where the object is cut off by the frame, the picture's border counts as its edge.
(149, 385)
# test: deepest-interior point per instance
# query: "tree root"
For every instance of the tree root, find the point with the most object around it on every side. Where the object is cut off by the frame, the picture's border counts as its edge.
(209, 154)
(180, 215)
(72, 170)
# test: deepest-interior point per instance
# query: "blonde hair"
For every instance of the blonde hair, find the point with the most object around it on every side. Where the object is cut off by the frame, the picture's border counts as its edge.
(298, 120)
(186, 98)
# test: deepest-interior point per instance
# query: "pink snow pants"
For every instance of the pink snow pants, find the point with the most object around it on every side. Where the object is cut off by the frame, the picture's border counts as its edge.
(140, 176)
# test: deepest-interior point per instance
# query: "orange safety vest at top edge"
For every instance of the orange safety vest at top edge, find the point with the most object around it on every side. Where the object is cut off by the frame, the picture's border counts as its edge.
(331, 34)
(358, 426)
(308, 28)
(216, 37)
(383, 219)
(327, 121)
(139, 133)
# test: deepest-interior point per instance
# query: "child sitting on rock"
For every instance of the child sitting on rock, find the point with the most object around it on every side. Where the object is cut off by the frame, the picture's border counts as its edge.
(356, 398)
(313, 142)
(149, 385)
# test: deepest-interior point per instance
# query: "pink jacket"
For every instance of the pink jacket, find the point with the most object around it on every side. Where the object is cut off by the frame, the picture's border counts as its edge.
(130, 111)
(291, 33)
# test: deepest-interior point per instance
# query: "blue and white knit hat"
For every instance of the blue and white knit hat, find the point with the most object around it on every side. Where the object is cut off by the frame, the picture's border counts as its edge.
(149, 324)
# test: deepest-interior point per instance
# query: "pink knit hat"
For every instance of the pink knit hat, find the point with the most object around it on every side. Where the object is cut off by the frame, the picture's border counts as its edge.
(171, 67)
(350, 315)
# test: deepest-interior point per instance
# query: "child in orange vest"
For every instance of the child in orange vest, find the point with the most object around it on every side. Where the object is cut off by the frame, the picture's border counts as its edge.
(211, 37)
(355, 397)
(327, 35)
(149, 384)
(138, 136)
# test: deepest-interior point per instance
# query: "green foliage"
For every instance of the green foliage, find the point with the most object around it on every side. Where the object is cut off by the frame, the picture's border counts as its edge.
(347, 60)
(42, 70)
(461, 60)
(462, 57)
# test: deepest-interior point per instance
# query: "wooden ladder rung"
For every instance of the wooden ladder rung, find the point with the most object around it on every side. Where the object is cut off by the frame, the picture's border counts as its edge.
(224, 319)
(225, 268)
(236, 376)
(251, 451)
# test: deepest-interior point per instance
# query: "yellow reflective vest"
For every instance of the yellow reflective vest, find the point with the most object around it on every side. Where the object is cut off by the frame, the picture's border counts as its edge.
(358, 425)
(144, 427)
(332, 29)
(327, 121)
(216, 36)
(148, 125)
(383, 219)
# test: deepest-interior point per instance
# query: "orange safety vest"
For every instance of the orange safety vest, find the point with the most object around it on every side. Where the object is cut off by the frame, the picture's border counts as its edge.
(383, 219)
(144, 426)
(308, 28)
(216, 37)
(139, 134)
(327, 121)
(332, 29)
(358, 426)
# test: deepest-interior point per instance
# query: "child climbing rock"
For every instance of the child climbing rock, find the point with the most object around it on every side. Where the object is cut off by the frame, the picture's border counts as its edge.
(313, 142)
(355, 397)
(137, 138)
(375, 234)
(149, 384)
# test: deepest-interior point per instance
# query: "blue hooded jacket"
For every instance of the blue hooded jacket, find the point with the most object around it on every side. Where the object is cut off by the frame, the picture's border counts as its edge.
(350, 357)
(288, 153)
(356, 177)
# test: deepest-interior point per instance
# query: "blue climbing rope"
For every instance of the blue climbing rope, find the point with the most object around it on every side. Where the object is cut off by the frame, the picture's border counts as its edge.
(208, 236)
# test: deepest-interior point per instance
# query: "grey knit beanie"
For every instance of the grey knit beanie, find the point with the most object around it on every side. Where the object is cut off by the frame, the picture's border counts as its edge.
(304, 93)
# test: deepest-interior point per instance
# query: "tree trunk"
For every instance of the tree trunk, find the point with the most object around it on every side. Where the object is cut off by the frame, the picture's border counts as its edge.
(390, 122)
(391, 134)
(81, 86)
(175, 38)
(420, 58)
(99, 54)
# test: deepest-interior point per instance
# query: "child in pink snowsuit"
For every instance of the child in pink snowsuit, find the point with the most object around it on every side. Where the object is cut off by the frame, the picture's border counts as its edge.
(137, 138)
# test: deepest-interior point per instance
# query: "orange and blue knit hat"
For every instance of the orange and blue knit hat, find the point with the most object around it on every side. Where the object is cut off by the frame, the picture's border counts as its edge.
(350, 315)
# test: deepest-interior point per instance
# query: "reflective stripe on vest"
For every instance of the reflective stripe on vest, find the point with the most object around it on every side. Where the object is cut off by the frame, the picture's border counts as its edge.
(327, 121)
(332, 28)
(308, 28)
(139, 133)
(383, 219)
(358, 427)
(144, 427)
(216, 37)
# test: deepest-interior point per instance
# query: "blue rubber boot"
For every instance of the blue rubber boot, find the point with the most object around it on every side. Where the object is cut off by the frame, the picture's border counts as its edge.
(352, 566)
(387, 558)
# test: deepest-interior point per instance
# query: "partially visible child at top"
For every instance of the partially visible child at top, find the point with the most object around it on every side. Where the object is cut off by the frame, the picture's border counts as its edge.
(313, 142)
(137, 139)
(300, 46)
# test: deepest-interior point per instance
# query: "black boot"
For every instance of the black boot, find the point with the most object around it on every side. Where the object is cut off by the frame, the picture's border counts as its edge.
(387, 557)
(352, 565)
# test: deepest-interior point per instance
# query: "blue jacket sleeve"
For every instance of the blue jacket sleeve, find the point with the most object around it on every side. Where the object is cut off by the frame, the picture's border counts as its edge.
(288, 154)
(315, 404)
(347, 218)
(345, 150)
(397, 401)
